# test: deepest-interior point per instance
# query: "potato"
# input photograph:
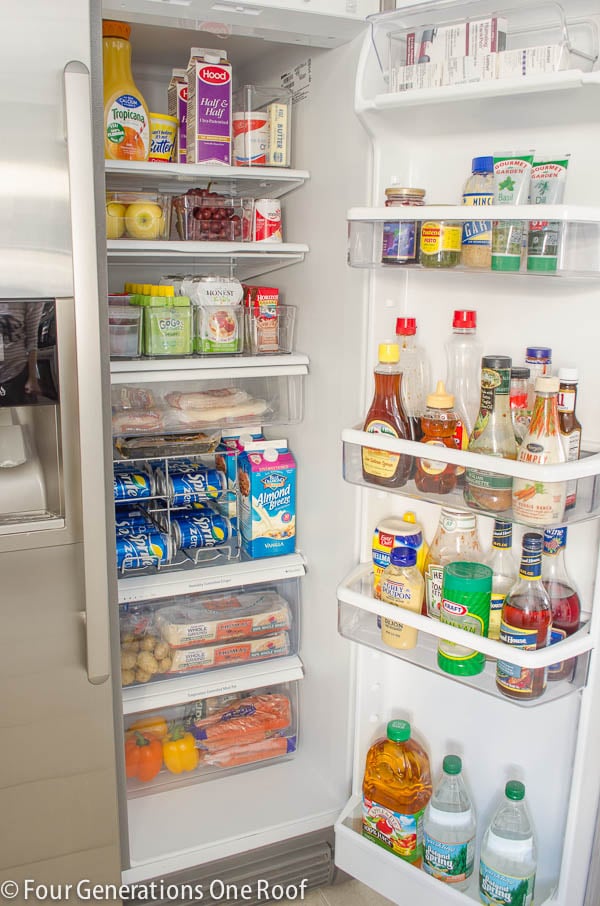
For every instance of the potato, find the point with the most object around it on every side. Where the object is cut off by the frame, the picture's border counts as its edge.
(127, 637)
(130, 646)
(147, 662)
(161, 650)
(165, 665)
(127, 677)
(148, 643)
(128, 660)
(141, 676)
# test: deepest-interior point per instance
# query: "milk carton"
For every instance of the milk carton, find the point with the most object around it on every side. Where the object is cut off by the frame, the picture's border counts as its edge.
(177, 106)
(208, 107)
(267, 486)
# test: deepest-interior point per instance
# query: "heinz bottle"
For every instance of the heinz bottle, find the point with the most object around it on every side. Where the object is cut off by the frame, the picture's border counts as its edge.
(387, 416)
(526, 624)
(396, 790)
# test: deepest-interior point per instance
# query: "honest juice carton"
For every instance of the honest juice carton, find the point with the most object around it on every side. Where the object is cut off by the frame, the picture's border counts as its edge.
(267, 486)
(177, 107)
(208, 107)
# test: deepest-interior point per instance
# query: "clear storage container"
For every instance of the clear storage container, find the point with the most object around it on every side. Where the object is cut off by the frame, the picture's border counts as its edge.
(261, 125)
(125, 335)
(145, 216)
(211, 218)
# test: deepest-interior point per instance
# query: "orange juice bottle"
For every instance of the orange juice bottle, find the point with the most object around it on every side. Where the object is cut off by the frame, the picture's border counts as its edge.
(126, 116)
(396, 790)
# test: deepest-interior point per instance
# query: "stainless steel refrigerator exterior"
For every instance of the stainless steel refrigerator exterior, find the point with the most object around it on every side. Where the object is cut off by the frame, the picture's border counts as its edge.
(59, 785)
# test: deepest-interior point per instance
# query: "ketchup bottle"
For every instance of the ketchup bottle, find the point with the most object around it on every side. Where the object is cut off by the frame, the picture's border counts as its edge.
(387, 416)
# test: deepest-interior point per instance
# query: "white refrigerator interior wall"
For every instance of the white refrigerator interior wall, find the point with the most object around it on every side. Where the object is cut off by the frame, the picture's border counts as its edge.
(308, 792)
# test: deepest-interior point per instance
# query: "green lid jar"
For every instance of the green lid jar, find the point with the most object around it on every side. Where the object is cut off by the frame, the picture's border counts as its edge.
(466, 596)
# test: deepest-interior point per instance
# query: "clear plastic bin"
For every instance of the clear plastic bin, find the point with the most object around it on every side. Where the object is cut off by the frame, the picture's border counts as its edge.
(261, 126)
(124, 331)
(270, 331)
(213, 218)
(225, 733)
(138, 215)
(197, 633)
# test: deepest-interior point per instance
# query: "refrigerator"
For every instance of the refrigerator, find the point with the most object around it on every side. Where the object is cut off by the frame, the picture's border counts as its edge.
(73, 814)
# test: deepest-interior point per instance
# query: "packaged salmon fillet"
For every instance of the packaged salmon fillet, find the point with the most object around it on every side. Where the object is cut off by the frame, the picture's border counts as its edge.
(258, 751)
(244, 721)
(205, 620)
(224, 653)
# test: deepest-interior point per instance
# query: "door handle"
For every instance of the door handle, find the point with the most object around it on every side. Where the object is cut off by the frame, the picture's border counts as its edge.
(78, 106)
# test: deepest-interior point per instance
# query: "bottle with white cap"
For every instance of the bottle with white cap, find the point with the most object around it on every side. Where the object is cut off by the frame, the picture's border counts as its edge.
(569, 425)
(537, 502)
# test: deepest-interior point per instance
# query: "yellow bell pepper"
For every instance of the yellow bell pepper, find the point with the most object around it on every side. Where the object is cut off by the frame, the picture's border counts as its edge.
(156, 725)
(179, 750)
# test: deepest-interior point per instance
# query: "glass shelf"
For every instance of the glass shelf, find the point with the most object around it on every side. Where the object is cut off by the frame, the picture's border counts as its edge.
(579, 244)
(258, 182)
(585, 471)
(357, 621)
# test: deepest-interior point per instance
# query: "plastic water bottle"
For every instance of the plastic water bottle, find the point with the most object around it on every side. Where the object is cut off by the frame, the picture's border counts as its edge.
(508, 853)
(415, 374)
(463, 377)
(449, 828)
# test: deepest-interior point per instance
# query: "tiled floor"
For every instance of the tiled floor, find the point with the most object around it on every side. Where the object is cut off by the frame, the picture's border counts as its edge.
(350, 893)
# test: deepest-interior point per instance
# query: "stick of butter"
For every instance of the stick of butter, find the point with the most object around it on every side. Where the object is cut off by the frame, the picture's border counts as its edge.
(277, 122)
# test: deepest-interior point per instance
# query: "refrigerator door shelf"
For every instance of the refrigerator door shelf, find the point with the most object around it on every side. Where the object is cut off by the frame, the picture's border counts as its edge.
(246, 259)
(256, 182)
(585, 471)
(182, 582)
(390, 876)
(578, 248)
(228, 680)
(357, 621)
(252, 735)
(164, 369)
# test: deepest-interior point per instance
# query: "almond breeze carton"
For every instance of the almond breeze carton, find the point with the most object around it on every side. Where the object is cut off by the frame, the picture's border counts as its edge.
(208, 107)
(267, 486)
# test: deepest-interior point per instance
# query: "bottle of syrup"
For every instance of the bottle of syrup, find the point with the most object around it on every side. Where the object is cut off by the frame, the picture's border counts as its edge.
(438, 426)
(526, 624)
(564, 599)
(386, 415)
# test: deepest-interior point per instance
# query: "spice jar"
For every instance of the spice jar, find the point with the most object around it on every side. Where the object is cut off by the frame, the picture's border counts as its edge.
(401, 237)
(440, 243)
(477, 234)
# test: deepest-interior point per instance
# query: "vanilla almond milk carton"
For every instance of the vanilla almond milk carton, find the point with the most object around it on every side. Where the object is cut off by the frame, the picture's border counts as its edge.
(177, 106)
(208, 107)
(267, 488)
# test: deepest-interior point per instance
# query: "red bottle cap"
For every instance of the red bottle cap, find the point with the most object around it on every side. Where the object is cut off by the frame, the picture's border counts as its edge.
(464, 319)
(406, 327)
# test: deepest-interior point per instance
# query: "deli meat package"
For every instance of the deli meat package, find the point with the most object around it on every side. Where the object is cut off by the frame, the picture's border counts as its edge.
(247, 615)
(223, 654)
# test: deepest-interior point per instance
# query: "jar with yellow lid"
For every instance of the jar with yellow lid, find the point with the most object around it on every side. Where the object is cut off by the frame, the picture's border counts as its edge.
(400, 241)
(440, 243)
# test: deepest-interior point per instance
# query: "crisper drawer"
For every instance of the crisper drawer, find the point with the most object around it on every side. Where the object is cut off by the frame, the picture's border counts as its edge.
(168, 644)
(195, 741)
(174, 398)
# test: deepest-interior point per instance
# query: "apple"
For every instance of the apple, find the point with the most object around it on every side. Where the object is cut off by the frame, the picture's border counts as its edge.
(144, 220)
(115, 220)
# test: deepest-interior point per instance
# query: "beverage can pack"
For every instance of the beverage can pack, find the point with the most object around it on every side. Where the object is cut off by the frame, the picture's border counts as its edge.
(250, 138)
(133, 485)
(266, 221)
(203, 529)
(209, 81)
(142, 550)
(190, 484)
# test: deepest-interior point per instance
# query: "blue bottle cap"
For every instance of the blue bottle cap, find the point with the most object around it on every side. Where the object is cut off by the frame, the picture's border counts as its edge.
(403, 556)
(539, 352)
(483, 165)
(533, 542)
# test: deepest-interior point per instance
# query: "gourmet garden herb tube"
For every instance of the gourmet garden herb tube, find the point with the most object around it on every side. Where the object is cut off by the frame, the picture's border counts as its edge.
(512, 174)
(548, 178)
